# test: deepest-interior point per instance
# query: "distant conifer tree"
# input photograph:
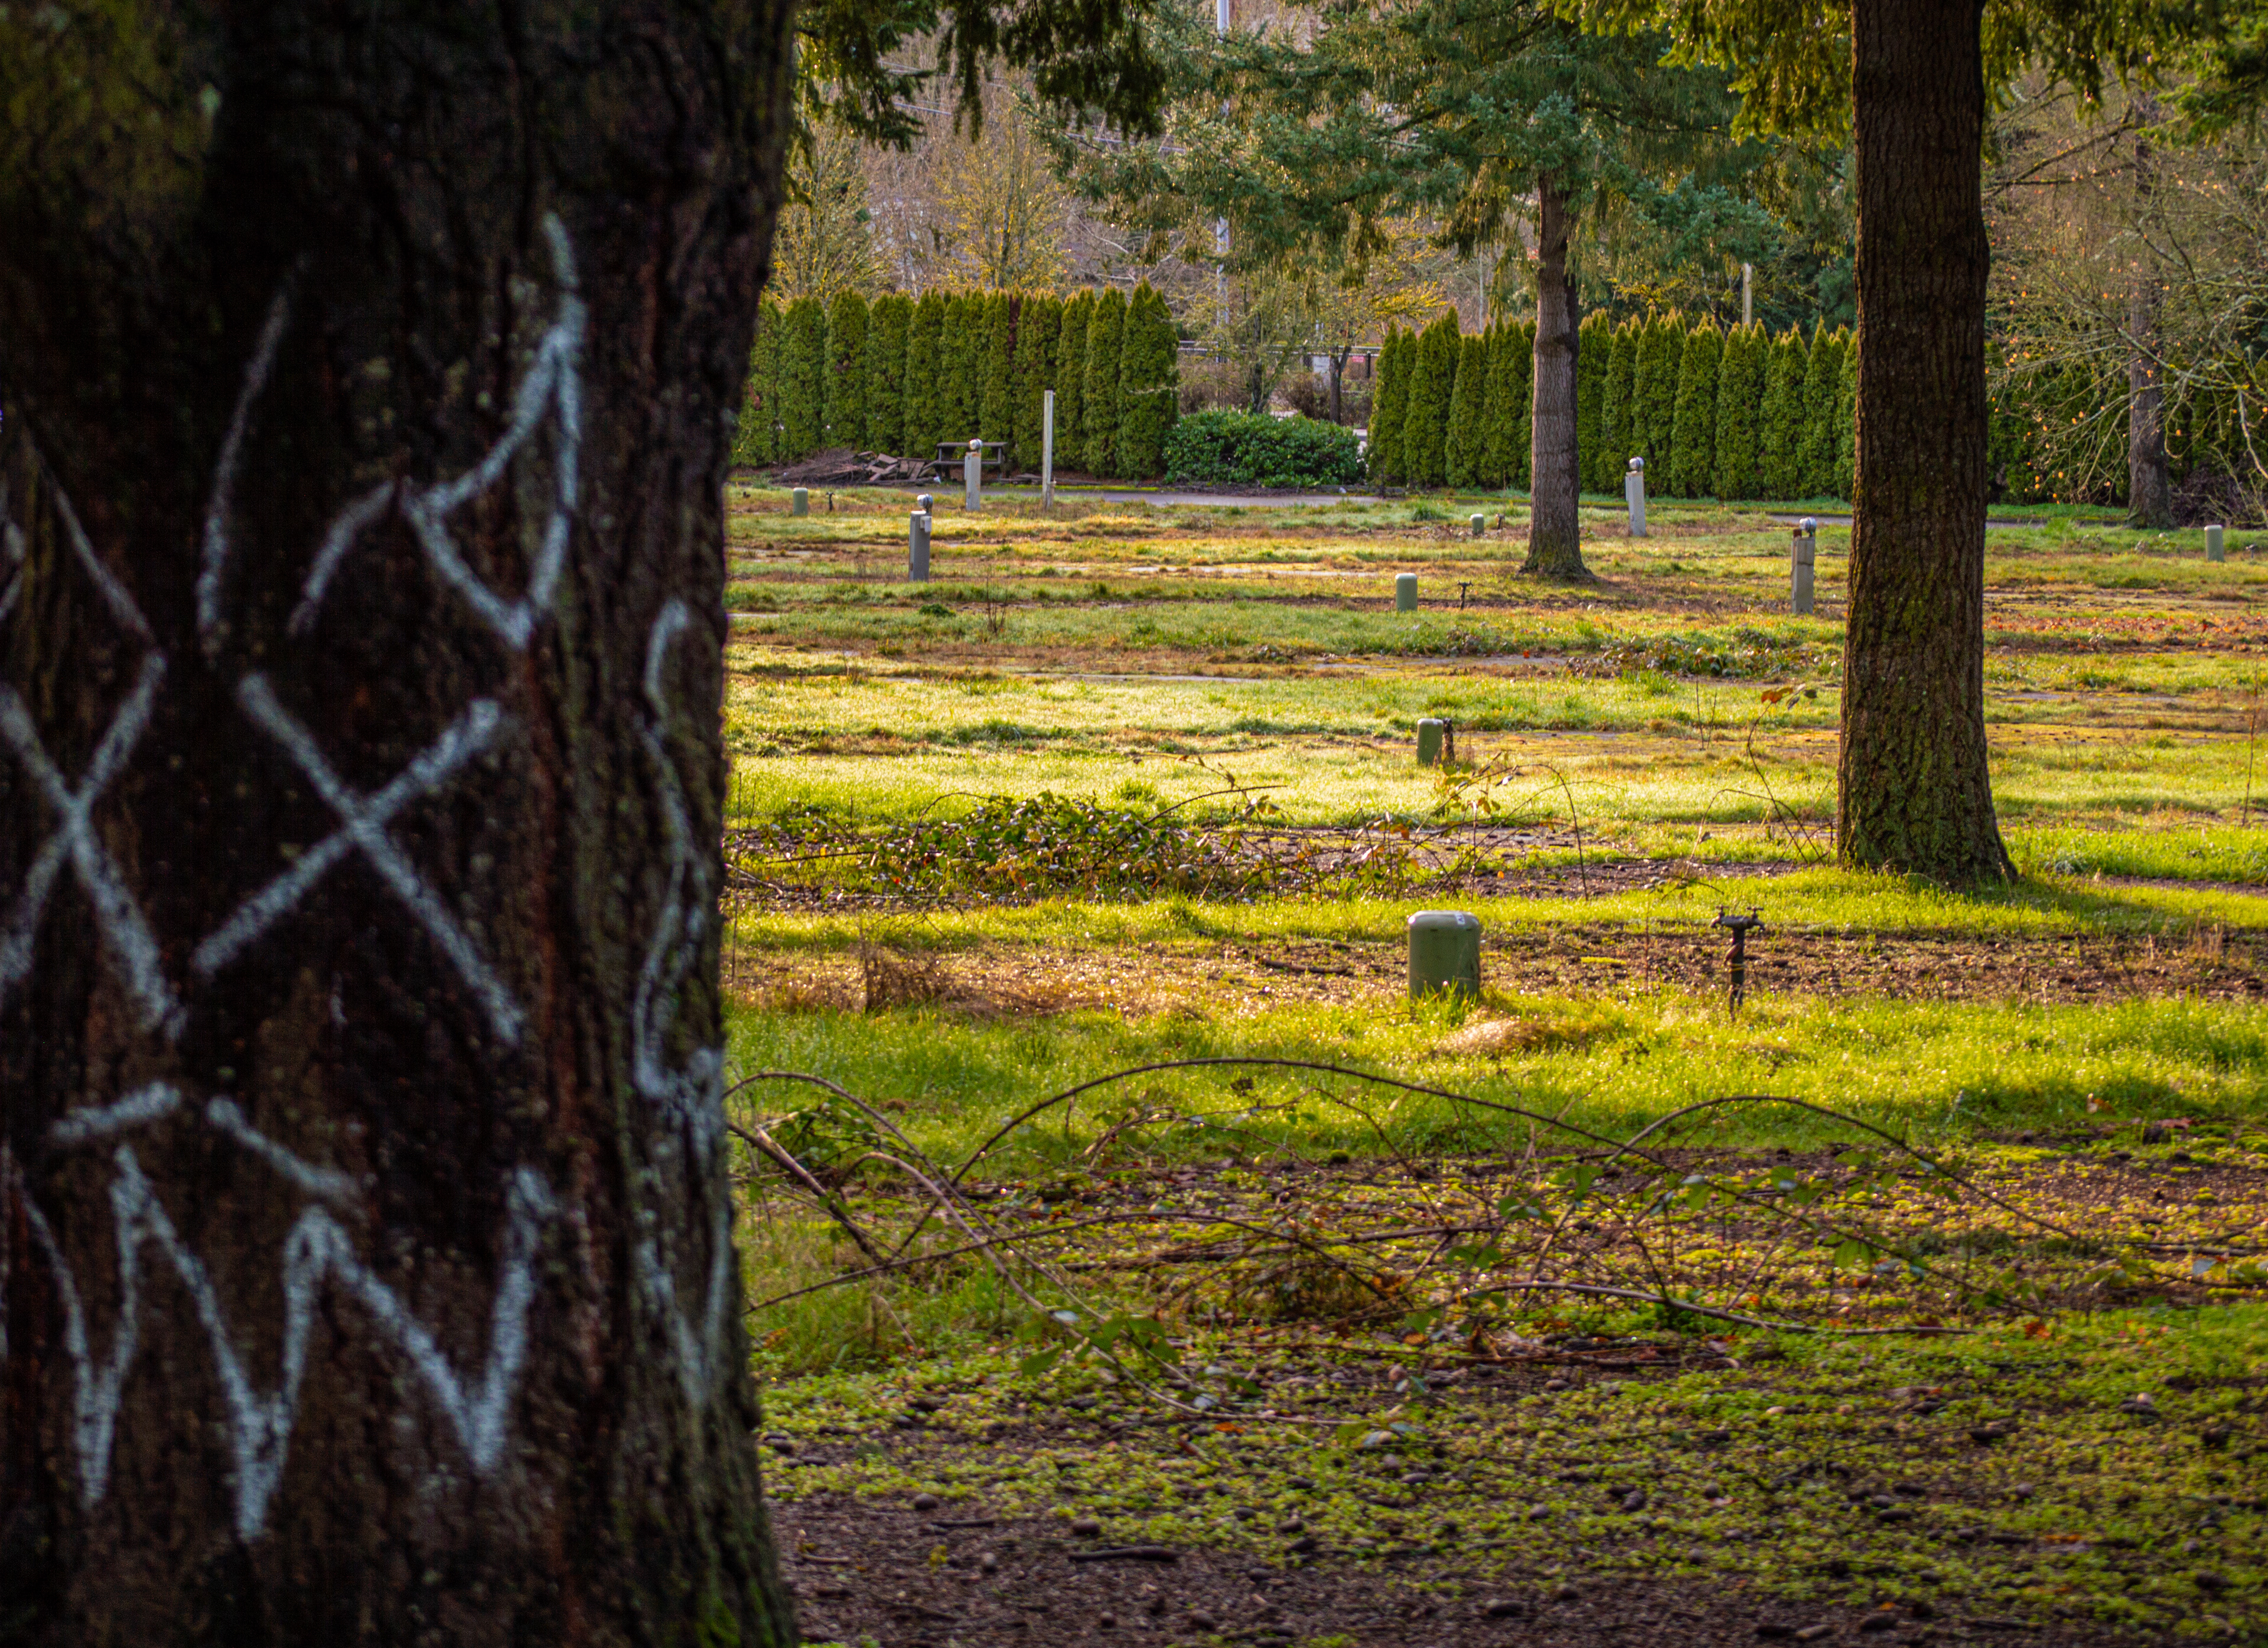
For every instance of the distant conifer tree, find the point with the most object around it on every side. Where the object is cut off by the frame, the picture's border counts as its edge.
(996, 415)
(1779, 447)
(1070, 382)
(1693, 438)
(803, 379)
(1846, 417)
(886, 325)
(1106, 344)
(1149, 383)
(961, 381)
(1617, 416)
(1660, 353)
(757, 439)
(1465, 441)
(925, 419)
(844, 388)
(1426, 420)
(1593, 345)
(1822, 380)
(1740, 405)
(1389, 404)
(1038, 325)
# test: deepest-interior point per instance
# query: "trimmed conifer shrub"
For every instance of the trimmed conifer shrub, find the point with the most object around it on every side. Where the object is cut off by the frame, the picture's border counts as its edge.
(1822, 380)
(844, 389)
(1463, 442)
(1070, 382)
(1106, 342)
(1426, 419)
(1846, 417)
(961, 388)
(1616, 416)
(1523, 430)
(1594, 343)
(756, 438)
(1499, 418)
(1038, 323)
(923, 423)
(1780, 445)
(996, 413)
(1254, 449)
(886, 372)
(1660, 353)
(1388, 403)
(803, 373)
(1149, 383)
(1740, 397)
(1693, 436)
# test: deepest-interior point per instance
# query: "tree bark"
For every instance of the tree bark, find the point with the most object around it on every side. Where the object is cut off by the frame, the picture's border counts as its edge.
(1555, 545)
(1914, 790)
(369, 377)
(2149, 479)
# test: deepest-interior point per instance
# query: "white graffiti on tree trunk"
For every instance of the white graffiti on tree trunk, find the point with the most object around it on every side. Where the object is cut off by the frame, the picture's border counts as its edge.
(318, 1259)
(552, 382)
(317, 1251)
(362, 826)
(691, 1098)
(132, 949)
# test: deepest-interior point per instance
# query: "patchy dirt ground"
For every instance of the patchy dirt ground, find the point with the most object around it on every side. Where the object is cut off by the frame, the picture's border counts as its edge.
(1605, 958)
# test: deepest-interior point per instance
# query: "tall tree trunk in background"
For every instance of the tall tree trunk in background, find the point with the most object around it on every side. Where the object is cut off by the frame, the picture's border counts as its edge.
(1555, 547)
(1914, 790)
(2149, 482)
(365, 1261)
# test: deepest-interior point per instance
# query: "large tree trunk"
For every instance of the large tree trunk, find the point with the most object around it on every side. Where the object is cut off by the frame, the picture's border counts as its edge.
(2149, 482)
(1914, 790)
(366, 1260)
(1555, 547)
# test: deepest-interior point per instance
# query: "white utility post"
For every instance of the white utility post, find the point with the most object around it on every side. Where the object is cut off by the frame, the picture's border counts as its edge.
(1747, 294)
(1047, 450)
(1634, 494)
(972, 475)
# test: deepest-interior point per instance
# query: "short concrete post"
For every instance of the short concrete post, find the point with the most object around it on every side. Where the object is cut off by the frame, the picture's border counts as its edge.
(1445, 953)
(917, 547)
(972, 475)
(1802, 552)
(1047, 449)
(2216, 543)
(1405, 591)
(1430, 731)
(1480, 525)
(1634, 493)
(798, 502)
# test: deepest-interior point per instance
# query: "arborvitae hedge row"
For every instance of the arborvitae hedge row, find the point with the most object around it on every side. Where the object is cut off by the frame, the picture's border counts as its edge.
(757, 438)
(1779, 446)
(1693, 436)
(1846, 418)
(1038, 323)
(1593, 345)
(996, 412)
(1105, 339)
(1739, 396)
(1465, 444)
(1389, 406)
(1071, 381)
(886, 372)
(803, 371)
(925, 419)
(844, 389)
(1149, 383)
(1425, 417)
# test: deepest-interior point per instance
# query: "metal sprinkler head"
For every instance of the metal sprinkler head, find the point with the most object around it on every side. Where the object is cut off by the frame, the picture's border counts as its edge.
(1736, 959)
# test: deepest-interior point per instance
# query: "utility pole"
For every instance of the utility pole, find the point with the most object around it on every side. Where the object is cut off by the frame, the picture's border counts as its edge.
(1220, 20)
(1747, 294)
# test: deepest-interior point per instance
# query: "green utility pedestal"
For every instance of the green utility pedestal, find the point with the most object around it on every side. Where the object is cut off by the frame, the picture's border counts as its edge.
(1405, 591)
(1429, 741)
(1445, 953)
(798, 502)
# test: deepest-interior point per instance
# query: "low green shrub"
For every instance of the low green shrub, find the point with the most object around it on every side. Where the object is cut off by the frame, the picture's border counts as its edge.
(1246, 449)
